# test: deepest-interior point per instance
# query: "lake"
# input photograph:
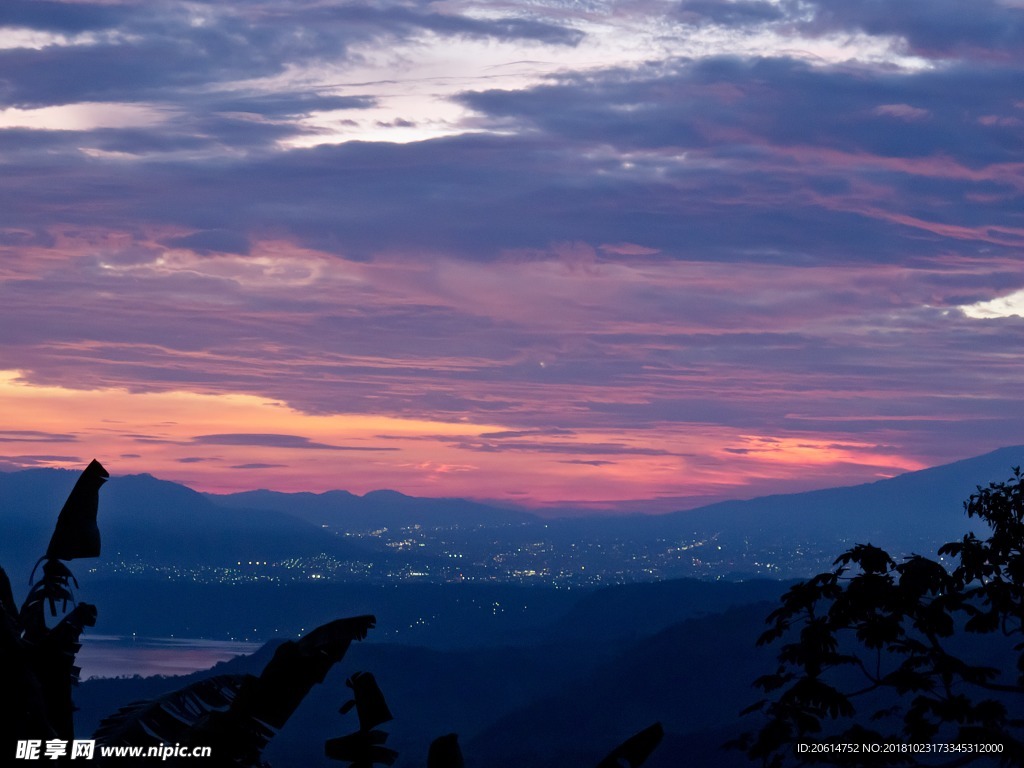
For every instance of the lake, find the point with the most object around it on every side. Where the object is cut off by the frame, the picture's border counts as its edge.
(119, 656)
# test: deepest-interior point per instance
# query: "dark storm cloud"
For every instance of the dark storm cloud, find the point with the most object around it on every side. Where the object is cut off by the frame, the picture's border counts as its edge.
(741, 107)
(739, 13)
(60, 16)
(750, 181)
(481, 196)
(131, 71)
(791, 153)
(212, 240)
(406, 20)
(727, 157)
(932, 28)
(163, 50)
(169, 56)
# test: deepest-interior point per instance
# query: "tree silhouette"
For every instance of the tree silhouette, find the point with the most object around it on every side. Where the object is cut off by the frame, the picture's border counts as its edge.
(918, 652)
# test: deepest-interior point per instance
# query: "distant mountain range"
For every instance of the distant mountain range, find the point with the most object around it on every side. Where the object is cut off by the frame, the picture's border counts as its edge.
(900, 512)
(376, 509)
(163, 523)
(166, 523)
(899, 509)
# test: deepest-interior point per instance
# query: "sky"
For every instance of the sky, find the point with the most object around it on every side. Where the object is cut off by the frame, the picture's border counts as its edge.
(608, 255)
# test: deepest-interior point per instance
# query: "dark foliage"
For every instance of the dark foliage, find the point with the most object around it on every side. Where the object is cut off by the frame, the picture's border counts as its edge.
(37, 668)
(913, 652)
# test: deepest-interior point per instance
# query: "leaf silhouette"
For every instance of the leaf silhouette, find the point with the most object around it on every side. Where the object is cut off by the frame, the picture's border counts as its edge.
(77, 534)
(237, 715)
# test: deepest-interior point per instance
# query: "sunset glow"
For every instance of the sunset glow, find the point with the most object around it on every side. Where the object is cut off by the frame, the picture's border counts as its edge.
(610, 255)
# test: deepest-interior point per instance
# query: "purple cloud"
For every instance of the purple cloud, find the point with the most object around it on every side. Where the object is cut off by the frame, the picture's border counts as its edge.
(280, 441)
(33, 436)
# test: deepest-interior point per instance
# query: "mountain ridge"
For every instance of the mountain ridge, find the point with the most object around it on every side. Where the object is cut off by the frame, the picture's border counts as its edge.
(159, 521)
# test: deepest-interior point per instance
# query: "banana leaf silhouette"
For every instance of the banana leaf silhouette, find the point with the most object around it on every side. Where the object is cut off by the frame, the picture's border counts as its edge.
(37, 662)
(364, 748)
(236, 715)
(170, 718)
(77, 534)
(371, 709)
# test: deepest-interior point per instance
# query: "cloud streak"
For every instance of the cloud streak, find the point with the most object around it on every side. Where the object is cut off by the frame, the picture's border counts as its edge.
(281, 441)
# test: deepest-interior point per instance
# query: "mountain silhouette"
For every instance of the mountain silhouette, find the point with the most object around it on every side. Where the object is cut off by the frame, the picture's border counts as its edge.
(374, 509)
(168, 523)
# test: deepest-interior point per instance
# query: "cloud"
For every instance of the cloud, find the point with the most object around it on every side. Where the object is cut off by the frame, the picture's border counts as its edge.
(934, 28)
(59, 16)
(22, 461)
(82, 117)
(742, 154)
(212, 241)
(902, 112)
(33, 436)
(171, 49)
(281, 441)
(585, 448)
(1011, 305)
(524, 433)
(738, 13)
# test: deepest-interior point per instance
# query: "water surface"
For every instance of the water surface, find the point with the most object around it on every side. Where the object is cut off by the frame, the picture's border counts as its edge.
(119, 656)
